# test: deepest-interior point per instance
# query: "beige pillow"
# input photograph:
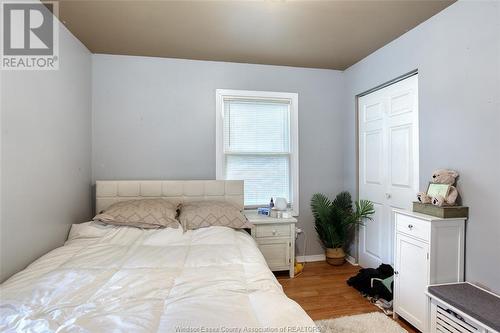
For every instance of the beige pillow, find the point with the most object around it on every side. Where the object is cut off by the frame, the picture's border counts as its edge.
(199, 214)
(143, 213)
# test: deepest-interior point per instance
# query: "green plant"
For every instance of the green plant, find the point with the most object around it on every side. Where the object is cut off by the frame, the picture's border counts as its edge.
(334, 220)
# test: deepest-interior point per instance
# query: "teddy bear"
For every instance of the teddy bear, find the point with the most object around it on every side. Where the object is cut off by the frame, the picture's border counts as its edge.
(442, 176)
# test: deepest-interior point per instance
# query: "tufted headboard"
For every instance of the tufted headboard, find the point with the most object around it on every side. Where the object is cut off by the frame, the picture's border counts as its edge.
(111, 191)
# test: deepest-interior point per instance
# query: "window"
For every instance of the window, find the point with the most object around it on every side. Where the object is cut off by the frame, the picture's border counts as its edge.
(257, 141)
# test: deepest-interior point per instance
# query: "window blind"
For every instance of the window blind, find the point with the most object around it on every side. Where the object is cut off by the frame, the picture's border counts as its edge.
(257, 147)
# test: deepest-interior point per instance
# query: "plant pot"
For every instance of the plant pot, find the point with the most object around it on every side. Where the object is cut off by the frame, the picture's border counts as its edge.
(335, 256)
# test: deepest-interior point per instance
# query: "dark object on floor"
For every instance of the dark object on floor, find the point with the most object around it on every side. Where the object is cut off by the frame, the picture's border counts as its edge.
(363, 282)
(473, 301)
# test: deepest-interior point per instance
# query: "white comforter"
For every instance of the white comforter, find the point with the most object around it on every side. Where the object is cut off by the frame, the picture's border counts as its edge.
(119, 279)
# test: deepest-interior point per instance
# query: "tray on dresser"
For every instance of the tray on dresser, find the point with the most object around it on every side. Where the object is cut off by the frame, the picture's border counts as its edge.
(442, 212)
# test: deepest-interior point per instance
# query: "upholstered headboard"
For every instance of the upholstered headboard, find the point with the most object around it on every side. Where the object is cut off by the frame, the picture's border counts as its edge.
(111, 191)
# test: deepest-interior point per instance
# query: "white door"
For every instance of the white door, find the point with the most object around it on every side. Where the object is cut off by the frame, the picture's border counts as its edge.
(388, 163)
(411, 280)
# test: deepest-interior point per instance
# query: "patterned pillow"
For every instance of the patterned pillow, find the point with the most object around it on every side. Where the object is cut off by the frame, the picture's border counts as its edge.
(199, 214)
(143, 213)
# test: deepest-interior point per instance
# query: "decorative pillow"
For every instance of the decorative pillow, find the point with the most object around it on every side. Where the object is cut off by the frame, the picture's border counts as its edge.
(142, 213)
(199, 214)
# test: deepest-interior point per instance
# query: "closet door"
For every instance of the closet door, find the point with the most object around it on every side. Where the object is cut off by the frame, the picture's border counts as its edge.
(372, 176)
(388, 163)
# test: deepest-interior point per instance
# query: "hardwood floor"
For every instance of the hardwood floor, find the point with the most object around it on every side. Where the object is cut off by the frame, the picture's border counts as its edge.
(322, 291)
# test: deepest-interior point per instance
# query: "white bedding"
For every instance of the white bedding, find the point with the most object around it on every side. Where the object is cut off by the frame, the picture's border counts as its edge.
(123, 279)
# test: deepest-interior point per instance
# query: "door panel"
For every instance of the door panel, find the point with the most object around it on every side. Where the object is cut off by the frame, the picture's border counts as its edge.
(372, 176)
(400, 157)
(371, 234)
(401, 102)
(373, 112)
(373, 157)
(402, 125)
(388, 163)
(411, 280)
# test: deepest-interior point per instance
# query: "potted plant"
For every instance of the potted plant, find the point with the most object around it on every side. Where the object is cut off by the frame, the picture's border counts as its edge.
(335, 220)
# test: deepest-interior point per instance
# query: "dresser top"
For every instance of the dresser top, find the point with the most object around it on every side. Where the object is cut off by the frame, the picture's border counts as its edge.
(471, 300)
(426, 217)
(255, 218)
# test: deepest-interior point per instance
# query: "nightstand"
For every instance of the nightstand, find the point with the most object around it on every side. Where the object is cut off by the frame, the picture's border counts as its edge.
(275, 239)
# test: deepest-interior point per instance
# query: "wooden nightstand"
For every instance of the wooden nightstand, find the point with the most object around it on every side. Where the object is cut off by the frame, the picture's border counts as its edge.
(276, 240)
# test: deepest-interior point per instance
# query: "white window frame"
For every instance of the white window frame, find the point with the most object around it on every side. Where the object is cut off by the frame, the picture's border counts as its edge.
(293, 100)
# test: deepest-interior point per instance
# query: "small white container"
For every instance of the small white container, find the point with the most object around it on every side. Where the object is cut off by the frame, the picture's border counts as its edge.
(280, 204)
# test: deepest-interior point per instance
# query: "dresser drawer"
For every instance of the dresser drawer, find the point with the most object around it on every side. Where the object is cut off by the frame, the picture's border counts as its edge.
(413, 227)
(272, 230)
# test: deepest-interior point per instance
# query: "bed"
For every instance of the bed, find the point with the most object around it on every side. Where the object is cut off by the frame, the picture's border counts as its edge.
(122, 279)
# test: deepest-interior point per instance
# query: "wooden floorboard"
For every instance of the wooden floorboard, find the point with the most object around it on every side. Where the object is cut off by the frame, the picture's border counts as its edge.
(322, 291)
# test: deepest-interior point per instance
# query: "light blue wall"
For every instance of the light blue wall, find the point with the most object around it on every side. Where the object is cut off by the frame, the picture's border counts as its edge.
(457, 54)
(45, 155)
(154, 118)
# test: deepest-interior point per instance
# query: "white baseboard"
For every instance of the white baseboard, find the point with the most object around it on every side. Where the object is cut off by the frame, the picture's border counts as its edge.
(321, 257)
(351, 260)
(311, 258)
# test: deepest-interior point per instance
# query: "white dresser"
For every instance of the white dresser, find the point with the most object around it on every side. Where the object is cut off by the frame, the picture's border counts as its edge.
(427, 250)
(276, 240)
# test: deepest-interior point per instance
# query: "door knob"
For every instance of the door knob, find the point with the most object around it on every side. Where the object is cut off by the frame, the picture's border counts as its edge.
(410, 226)
(387, 195)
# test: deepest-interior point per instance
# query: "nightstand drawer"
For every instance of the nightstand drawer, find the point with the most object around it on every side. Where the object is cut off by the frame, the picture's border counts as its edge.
(272, 230)
(276, 252)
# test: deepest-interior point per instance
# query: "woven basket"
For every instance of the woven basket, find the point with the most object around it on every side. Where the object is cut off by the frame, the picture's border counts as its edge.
(335, 256)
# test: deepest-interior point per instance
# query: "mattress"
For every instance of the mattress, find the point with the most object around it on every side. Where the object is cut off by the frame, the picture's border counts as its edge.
(124, 279)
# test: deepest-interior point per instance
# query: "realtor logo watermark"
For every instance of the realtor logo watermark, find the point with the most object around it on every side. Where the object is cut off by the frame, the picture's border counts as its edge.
(30, 35)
